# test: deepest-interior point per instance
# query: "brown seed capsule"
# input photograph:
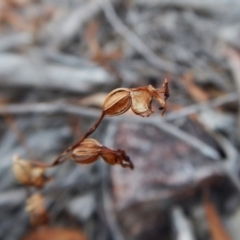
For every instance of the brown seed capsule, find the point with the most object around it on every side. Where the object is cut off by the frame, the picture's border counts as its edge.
(141, 101)
(117, 102)
(87, 151)
(29, 174)
(35, 206)
(90, 150)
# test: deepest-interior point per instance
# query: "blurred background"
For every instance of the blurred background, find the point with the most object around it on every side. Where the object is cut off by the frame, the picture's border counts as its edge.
(58, 62)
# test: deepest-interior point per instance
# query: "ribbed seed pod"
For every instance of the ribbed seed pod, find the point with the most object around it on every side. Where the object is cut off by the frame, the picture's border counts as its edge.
(117, 102)
(87, 151)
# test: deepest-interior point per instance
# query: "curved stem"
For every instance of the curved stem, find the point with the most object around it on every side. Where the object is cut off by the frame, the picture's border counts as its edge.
(66, 154)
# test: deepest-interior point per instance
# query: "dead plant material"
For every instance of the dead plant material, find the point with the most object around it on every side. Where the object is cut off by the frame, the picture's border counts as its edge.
(139, 99)
(27, 173)
(94, 100)
(116, 103)
(17, 131)
(217, 229)
(196, 92)
(90, 150)
(55, 234)
(35, 206)
(97, 53)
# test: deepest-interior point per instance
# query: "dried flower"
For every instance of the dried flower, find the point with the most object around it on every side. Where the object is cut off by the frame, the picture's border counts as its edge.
(116, 157)
(139, 99)
(89, 150)
(116, 103)
(28, 173)
(35, 206)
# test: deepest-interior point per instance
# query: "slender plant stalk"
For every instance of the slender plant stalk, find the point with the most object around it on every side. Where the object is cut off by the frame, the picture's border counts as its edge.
(67, 154)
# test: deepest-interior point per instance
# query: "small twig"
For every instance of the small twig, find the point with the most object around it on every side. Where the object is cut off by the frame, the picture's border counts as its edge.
(21, 71)
(63, 33)
(107, 199)
(230, 165)
(215, 224)
(182, 226)
(202, 106)
(196, 143)
(134, 40)
(13, 41)
(18, 133)
(234, 64)
(48, 108)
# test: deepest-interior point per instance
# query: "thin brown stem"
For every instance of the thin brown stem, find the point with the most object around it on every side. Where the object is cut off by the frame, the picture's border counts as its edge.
(67, 154)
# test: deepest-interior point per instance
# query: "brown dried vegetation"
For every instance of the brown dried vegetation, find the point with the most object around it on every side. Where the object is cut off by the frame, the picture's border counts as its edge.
(29, 174)
(88, 150)
(35, 206)
(118, 102)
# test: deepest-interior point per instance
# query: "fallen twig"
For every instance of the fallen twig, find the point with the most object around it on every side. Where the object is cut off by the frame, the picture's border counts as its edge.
(17, 70)
(217, 229)
(234, 63)
(202, 106)
(230, 165)
(107, 199)
(13, 41)
(64, 32)
(181, 225)
(134, 40)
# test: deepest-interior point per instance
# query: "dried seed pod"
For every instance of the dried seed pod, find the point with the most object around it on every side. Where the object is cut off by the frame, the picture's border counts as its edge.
(141, 101)
(87, 151)
(90, 150)
(28, 174)
(117, 102)
(116, 157)
(35, 206)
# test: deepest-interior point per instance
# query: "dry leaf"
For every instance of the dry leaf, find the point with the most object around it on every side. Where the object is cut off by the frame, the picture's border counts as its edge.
(48, 233)
(29, 174)
(35, 206)
(89, 150)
